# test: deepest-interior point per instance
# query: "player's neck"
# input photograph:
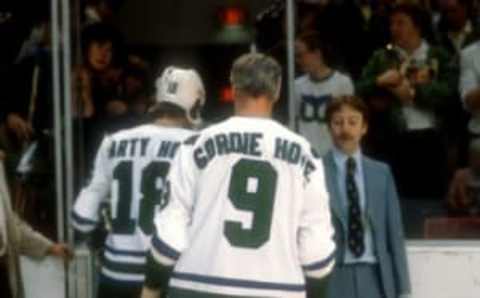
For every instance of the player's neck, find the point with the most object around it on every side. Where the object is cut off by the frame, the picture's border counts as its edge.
(253, 107)
(171, 122)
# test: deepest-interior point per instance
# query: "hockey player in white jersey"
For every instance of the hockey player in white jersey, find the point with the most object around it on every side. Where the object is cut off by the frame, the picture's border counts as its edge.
(129, 175)
(248, 214)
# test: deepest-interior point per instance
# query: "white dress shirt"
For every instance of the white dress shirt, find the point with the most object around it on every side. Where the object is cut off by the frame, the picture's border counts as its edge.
(340, 162)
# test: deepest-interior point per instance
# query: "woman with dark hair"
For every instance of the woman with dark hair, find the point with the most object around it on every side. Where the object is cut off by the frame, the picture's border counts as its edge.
(99, 76)
(98, 101)
(406, 85)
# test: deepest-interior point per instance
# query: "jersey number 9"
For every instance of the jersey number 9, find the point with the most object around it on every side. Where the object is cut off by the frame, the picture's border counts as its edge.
(252, 188)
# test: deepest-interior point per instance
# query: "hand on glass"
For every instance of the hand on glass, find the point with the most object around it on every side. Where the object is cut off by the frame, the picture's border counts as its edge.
(61, 250)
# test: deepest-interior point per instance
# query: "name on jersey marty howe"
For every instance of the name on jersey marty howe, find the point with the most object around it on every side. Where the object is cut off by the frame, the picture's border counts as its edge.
(138, 147)
(248, 144)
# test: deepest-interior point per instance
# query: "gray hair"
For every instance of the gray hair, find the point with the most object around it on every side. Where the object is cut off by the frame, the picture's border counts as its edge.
(256, 74)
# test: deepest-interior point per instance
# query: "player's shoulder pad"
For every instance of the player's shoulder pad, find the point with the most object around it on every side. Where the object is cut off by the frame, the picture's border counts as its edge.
(191, 140)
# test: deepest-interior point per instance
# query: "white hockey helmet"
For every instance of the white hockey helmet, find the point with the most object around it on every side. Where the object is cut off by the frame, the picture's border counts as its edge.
(183, 88)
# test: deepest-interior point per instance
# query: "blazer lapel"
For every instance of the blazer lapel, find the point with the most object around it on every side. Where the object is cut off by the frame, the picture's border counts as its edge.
(370, 187)
(333, 187)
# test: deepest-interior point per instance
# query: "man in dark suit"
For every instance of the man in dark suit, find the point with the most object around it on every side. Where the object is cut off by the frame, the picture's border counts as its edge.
(371, 260)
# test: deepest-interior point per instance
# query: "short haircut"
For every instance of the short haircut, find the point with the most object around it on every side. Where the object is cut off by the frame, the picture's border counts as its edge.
(351, 101)
(166, 109)
(314, 41)
(419, 16)
(256, 74)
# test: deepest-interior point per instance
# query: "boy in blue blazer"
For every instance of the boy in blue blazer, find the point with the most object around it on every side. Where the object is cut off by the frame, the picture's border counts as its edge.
(371, 259)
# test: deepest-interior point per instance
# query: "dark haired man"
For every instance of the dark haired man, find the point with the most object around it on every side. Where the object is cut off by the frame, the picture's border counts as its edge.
(457, 27)
(370, 260)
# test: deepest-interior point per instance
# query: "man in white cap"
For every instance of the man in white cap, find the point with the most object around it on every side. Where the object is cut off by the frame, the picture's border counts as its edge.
(128, 176)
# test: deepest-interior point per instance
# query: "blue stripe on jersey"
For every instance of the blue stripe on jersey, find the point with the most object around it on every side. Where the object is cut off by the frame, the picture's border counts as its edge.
(82, 220)
(240, 283)
(118, 283)
(165, 249)
(130, 253)
(320, 264)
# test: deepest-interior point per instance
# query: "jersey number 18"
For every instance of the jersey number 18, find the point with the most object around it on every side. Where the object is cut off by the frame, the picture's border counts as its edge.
(151, 196)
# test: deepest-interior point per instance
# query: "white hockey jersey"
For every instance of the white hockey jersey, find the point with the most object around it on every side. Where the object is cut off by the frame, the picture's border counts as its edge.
(310, 103)
(129, 175)
(248, 213)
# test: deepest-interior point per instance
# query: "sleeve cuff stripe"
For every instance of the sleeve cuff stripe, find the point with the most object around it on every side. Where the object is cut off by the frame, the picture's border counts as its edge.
(82, 228)
(82, 220)
(161, 259)
(320, 264)
(164, 249)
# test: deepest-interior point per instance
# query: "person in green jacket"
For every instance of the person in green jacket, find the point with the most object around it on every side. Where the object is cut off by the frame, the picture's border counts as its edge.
(407, 86)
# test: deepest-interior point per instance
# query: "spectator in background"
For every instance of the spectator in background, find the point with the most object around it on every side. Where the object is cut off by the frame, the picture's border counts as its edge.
(132, 93)
(464, 193)
(315, 89)
(18, 238)
(97, 99)
(370, 257)
(456, 28)
(469, 87)
(99, 76)
(406, 86)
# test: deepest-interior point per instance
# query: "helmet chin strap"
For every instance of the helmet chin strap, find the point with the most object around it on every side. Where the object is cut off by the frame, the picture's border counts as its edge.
(193, 115)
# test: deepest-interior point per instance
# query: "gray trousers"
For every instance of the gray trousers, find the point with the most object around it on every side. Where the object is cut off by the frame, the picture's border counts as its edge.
(355, 281)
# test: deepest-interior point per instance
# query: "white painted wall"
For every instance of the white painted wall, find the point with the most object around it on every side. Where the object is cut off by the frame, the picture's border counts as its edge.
(444, 269)
(47, 276)
(43, 276)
